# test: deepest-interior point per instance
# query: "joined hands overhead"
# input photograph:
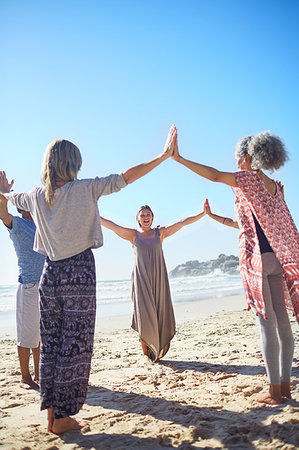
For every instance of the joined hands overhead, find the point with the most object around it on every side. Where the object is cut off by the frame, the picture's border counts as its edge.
(169, 146)
(175, 155)
(206, 207)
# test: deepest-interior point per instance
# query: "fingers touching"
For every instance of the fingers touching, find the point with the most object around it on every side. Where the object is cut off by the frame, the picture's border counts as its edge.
(206, 207)
(169, 144)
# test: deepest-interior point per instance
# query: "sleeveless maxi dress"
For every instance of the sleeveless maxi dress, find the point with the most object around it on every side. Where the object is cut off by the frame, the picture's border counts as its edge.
(153, 315)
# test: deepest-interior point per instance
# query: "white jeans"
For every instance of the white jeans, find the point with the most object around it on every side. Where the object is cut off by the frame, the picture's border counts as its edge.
(28, 315)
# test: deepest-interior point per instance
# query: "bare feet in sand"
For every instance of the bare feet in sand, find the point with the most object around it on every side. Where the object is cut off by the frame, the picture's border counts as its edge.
(66, 424)
(266, 397)
(273, 396)
(276, 395)
(28, 383)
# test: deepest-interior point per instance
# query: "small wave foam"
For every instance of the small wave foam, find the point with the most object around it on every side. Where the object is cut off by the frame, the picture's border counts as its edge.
(115, 292)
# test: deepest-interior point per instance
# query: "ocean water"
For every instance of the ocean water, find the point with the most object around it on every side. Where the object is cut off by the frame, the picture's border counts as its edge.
(114, 297)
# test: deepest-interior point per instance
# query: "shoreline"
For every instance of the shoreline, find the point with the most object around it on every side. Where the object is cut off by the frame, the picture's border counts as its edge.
(184, 311)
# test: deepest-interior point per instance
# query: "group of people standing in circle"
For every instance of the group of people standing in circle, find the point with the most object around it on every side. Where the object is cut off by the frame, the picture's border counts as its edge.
(68, 226)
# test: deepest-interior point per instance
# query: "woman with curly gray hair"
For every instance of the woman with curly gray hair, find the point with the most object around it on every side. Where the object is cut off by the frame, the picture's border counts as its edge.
(268, 251)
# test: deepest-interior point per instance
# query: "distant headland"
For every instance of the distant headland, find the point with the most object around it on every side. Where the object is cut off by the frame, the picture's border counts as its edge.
(227, 264)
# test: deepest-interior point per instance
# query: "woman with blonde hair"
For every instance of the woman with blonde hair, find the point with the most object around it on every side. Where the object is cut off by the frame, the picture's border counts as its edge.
(68, 226)
(268, 251)
(153, 316)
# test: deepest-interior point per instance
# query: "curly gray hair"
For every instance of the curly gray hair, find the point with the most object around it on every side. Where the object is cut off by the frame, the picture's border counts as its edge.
(266, 151)
(242, 147)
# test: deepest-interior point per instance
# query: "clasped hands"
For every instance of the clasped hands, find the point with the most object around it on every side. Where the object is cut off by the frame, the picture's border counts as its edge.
(171, 144)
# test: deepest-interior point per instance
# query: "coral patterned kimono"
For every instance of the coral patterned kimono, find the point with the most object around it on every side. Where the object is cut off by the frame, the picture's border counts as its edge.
(276, 222)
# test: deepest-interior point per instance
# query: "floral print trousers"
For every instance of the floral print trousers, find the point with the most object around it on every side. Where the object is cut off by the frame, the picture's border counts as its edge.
(68, 309)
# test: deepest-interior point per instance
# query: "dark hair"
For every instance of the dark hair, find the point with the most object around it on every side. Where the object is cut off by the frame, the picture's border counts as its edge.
(141, 208)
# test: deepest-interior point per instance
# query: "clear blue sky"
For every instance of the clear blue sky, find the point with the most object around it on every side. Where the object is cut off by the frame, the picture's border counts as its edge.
(112, 76)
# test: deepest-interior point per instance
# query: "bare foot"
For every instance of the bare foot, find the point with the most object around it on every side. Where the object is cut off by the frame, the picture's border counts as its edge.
(50, 419)
(28, 383)
(266, 397)
(65, 424)
(285, 389)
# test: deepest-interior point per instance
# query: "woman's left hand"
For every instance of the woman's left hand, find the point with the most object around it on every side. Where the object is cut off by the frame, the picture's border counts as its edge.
(281, 187)
(5, 186)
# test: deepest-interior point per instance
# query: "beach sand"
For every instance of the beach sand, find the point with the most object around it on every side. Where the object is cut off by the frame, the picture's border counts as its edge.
(199, 396)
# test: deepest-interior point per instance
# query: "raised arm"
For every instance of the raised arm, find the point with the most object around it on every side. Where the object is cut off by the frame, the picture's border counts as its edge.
(204, 171)
(171, 229)
(139, 171)
(5, 216)
(224, 220)
(125, 233)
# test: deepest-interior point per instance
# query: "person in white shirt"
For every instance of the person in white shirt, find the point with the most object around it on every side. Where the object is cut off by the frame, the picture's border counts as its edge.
(68, 226)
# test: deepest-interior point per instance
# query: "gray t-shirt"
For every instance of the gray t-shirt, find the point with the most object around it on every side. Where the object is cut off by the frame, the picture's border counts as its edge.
(30, 263)
(72, 224)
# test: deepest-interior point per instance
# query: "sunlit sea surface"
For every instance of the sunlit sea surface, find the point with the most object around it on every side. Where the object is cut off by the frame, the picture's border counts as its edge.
(114, 297)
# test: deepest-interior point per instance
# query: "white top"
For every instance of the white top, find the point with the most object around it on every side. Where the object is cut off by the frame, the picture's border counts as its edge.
(72, 224)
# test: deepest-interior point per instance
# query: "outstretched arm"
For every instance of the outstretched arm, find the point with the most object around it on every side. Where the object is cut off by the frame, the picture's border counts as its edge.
(224, 220)
(139, 171)
(4, 214)
(171, 229)
(205, 171)
(125, 233)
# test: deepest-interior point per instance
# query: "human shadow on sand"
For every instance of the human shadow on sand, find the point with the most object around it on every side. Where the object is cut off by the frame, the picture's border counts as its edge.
(232, 429)
(227, 368)
(122, 441)
(211, 367)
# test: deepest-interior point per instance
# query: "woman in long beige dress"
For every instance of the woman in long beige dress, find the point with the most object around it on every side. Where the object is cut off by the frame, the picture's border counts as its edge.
(153, 316)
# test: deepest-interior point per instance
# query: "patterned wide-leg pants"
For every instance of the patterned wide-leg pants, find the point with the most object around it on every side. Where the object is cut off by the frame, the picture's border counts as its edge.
(68, 309)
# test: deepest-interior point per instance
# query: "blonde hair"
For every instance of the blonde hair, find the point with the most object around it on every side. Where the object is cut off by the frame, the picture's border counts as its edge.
(62, 160)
